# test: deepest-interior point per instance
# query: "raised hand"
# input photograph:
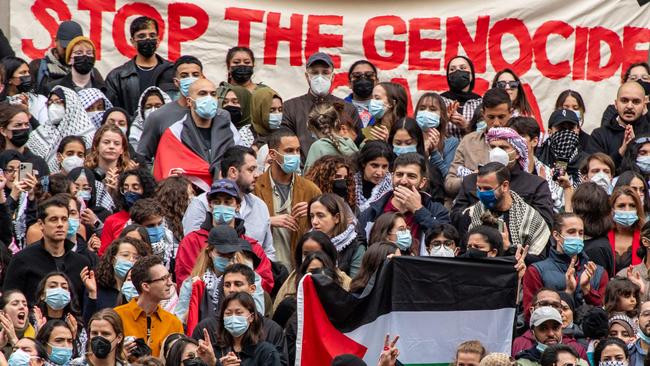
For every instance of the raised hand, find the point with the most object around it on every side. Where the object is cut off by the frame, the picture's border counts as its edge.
(205, 350)
(389, 356)
(570, 277)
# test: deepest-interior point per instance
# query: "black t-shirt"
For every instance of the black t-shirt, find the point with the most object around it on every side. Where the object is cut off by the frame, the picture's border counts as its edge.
(206, 136)
(146, 77)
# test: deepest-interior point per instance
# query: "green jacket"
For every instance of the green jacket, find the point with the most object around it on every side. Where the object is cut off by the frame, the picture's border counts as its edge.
(325, 146)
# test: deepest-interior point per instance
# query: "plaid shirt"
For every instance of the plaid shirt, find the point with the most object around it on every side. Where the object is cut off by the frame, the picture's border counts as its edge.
(467, 110)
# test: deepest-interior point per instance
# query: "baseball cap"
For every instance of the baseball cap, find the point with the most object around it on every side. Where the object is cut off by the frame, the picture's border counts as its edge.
(225, 239)
(320, 57)
(225, 186)
(68, 31)
(563, 115)
(544, 313)
(347, 360)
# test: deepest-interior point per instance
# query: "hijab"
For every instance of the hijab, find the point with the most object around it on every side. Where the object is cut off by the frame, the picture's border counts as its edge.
(462, 96)
(261, 101)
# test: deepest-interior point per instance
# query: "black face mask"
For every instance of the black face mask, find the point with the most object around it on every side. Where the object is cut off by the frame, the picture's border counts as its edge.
(362, 88)
(147, 47)
(340, 187)
(474, 253)
(20, 137)
(195, 361)
(241, 73)
(458, 80)
(25, 84)
(235, 114)
(100, 347)
(83, 64)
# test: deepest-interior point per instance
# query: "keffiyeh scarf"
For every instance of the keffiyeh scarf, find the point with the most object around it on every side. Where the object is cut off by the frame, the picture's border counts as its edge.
(384, 186)
(514, 139)
(564, 145)
(46, 138)
(525, 225)
(344, 239)
(135, 132)
(89, 97)
(212, 283)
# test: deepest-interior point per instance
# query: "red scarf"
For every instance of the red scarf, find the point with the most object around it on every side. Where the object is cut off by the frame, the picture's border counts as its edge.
(636, 241)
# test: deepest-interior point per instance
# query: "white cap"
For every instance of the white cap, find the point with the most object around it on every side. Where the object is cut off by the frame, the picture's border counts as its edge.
(544, 313)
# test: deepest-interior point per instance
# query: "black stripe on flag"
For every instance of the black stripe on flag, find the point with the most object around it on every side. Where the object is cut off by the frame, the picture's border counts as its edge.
(423, 284)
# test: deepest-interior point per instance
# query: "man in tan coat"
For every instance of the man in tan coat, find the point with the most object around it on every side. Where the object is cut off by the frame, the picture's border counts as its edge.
(286, 194)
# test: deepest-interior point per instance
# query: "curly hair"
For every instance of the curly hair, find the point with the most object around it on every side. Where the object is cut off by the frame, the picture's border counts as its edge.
(92, 158)
(105, 273)
(324, 170)
(174, 198)
(146, 181)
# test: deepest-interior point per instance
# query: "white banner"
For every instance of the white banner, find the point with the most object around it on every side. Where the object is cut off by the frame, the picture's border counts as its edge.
(552, 44)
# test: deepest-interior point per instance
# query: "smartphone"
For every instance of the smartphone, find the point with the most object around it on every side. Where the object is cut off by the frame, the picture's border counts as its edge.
(25, 168)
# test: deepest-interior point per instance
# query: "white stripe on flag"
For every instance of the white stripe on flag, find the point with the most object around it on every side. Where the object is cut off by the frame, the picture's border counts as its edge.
(427, 337)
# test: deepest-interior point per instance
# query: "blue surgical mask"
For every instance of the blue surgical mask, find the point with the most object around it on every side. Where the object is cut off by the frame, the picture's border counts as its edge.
(223, 214)
(19, 358)
(541, 347)
(57, 298)
(122, 267)
(427, 119)
(60, 355)
(625, 218)
(404, 239)
(481, 126)
(206, 107)
(275, 120)
(128, 290)
(220, 263)
(487, 198)
(643, 162)
(572, 245)
(156, 233)
(643, 336)
(400, 150)
(236, 325)
(131, 198)
(376, 108)
(578, 113)
(185, 84)
(290, 163)
(73, 225)
(84, 195)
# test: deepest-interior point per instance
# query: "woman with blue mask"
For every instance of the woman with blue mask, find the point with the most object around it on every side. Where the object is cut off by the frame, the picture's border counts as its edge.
(431, 116)
(331, 215)
(629, 218)
(240, 327)
(28, 352)
(637, 182)
(387, 106)
(59, 340)
(104, 285)
(222, 244)
(637, 157)
(78, 234)
(391, 226)
(97, 201)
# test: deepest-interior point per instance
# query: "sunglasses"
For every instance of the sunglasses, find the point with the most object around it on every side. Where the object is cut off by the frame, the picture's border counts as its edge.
(507, 84)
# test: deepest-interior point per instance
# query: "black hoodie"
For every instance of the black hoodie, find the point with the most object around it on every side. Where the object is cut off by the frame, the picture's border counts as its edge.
(608, 139)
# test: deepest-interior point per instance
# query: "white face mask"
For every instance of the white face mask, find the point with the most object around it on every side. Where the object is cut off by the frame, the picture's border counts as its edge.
(442, 251)
(147, 112)
(602, 180)
(72, 162)
(123, 129)
(55, 113)
(499, 155)
(320, 85)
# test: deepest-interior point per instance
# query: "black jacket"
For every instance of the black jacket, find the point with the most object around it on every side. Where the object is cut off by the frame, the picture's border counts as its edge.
(261, 354)
(96, 81)
(533, 189)
(29, 266)
(273, 334)
(599, 250)
(123, 83)
(609, 138)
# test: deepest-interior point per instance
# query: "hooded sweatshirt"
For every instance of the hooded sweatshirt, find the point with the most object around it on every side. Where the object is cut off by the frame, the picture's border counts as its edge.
(609, 138)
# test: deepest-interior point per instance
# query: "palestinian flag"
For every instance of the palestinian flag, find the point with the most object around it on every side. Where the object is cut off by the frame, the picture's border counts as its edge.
(172, 153)
(433, 304)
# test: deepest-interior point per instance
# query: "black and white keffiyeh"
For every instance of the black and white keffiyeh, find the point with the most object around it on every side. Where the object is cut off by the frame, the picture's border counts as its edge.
(344, 239)
(564, 145)
(135, 131)
(89, 97)
(45, 140)
(384, 186)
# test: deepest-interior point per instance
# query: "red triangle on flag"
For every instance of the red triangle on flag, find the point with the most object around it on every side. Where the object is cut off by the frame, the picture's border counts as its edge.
(172, 153)
(318, 340)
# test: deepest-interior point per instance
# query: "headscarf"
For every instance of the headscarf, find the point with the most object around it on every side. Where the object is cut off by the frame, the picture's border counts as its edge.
(46, 138)
(99, 198)
(136, 128)
(261, 101)
(462, 96)
(89, 97)
(9, 155)
(514, 139)
(116, 109)
(244, 98)
(624, 321)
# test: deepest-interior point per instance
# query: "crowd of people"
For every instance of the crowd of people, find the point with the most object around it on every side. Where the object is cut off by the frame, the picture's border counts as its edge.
(161, 216)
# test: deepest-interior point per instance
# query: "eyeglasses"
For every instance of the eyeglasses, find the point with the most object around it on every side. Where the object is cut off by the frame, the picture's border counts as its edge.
(10, 170)
(164, 278)
(368, 75)
(644, 77)
(447, 243)
(553, 304)
(514, 84)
